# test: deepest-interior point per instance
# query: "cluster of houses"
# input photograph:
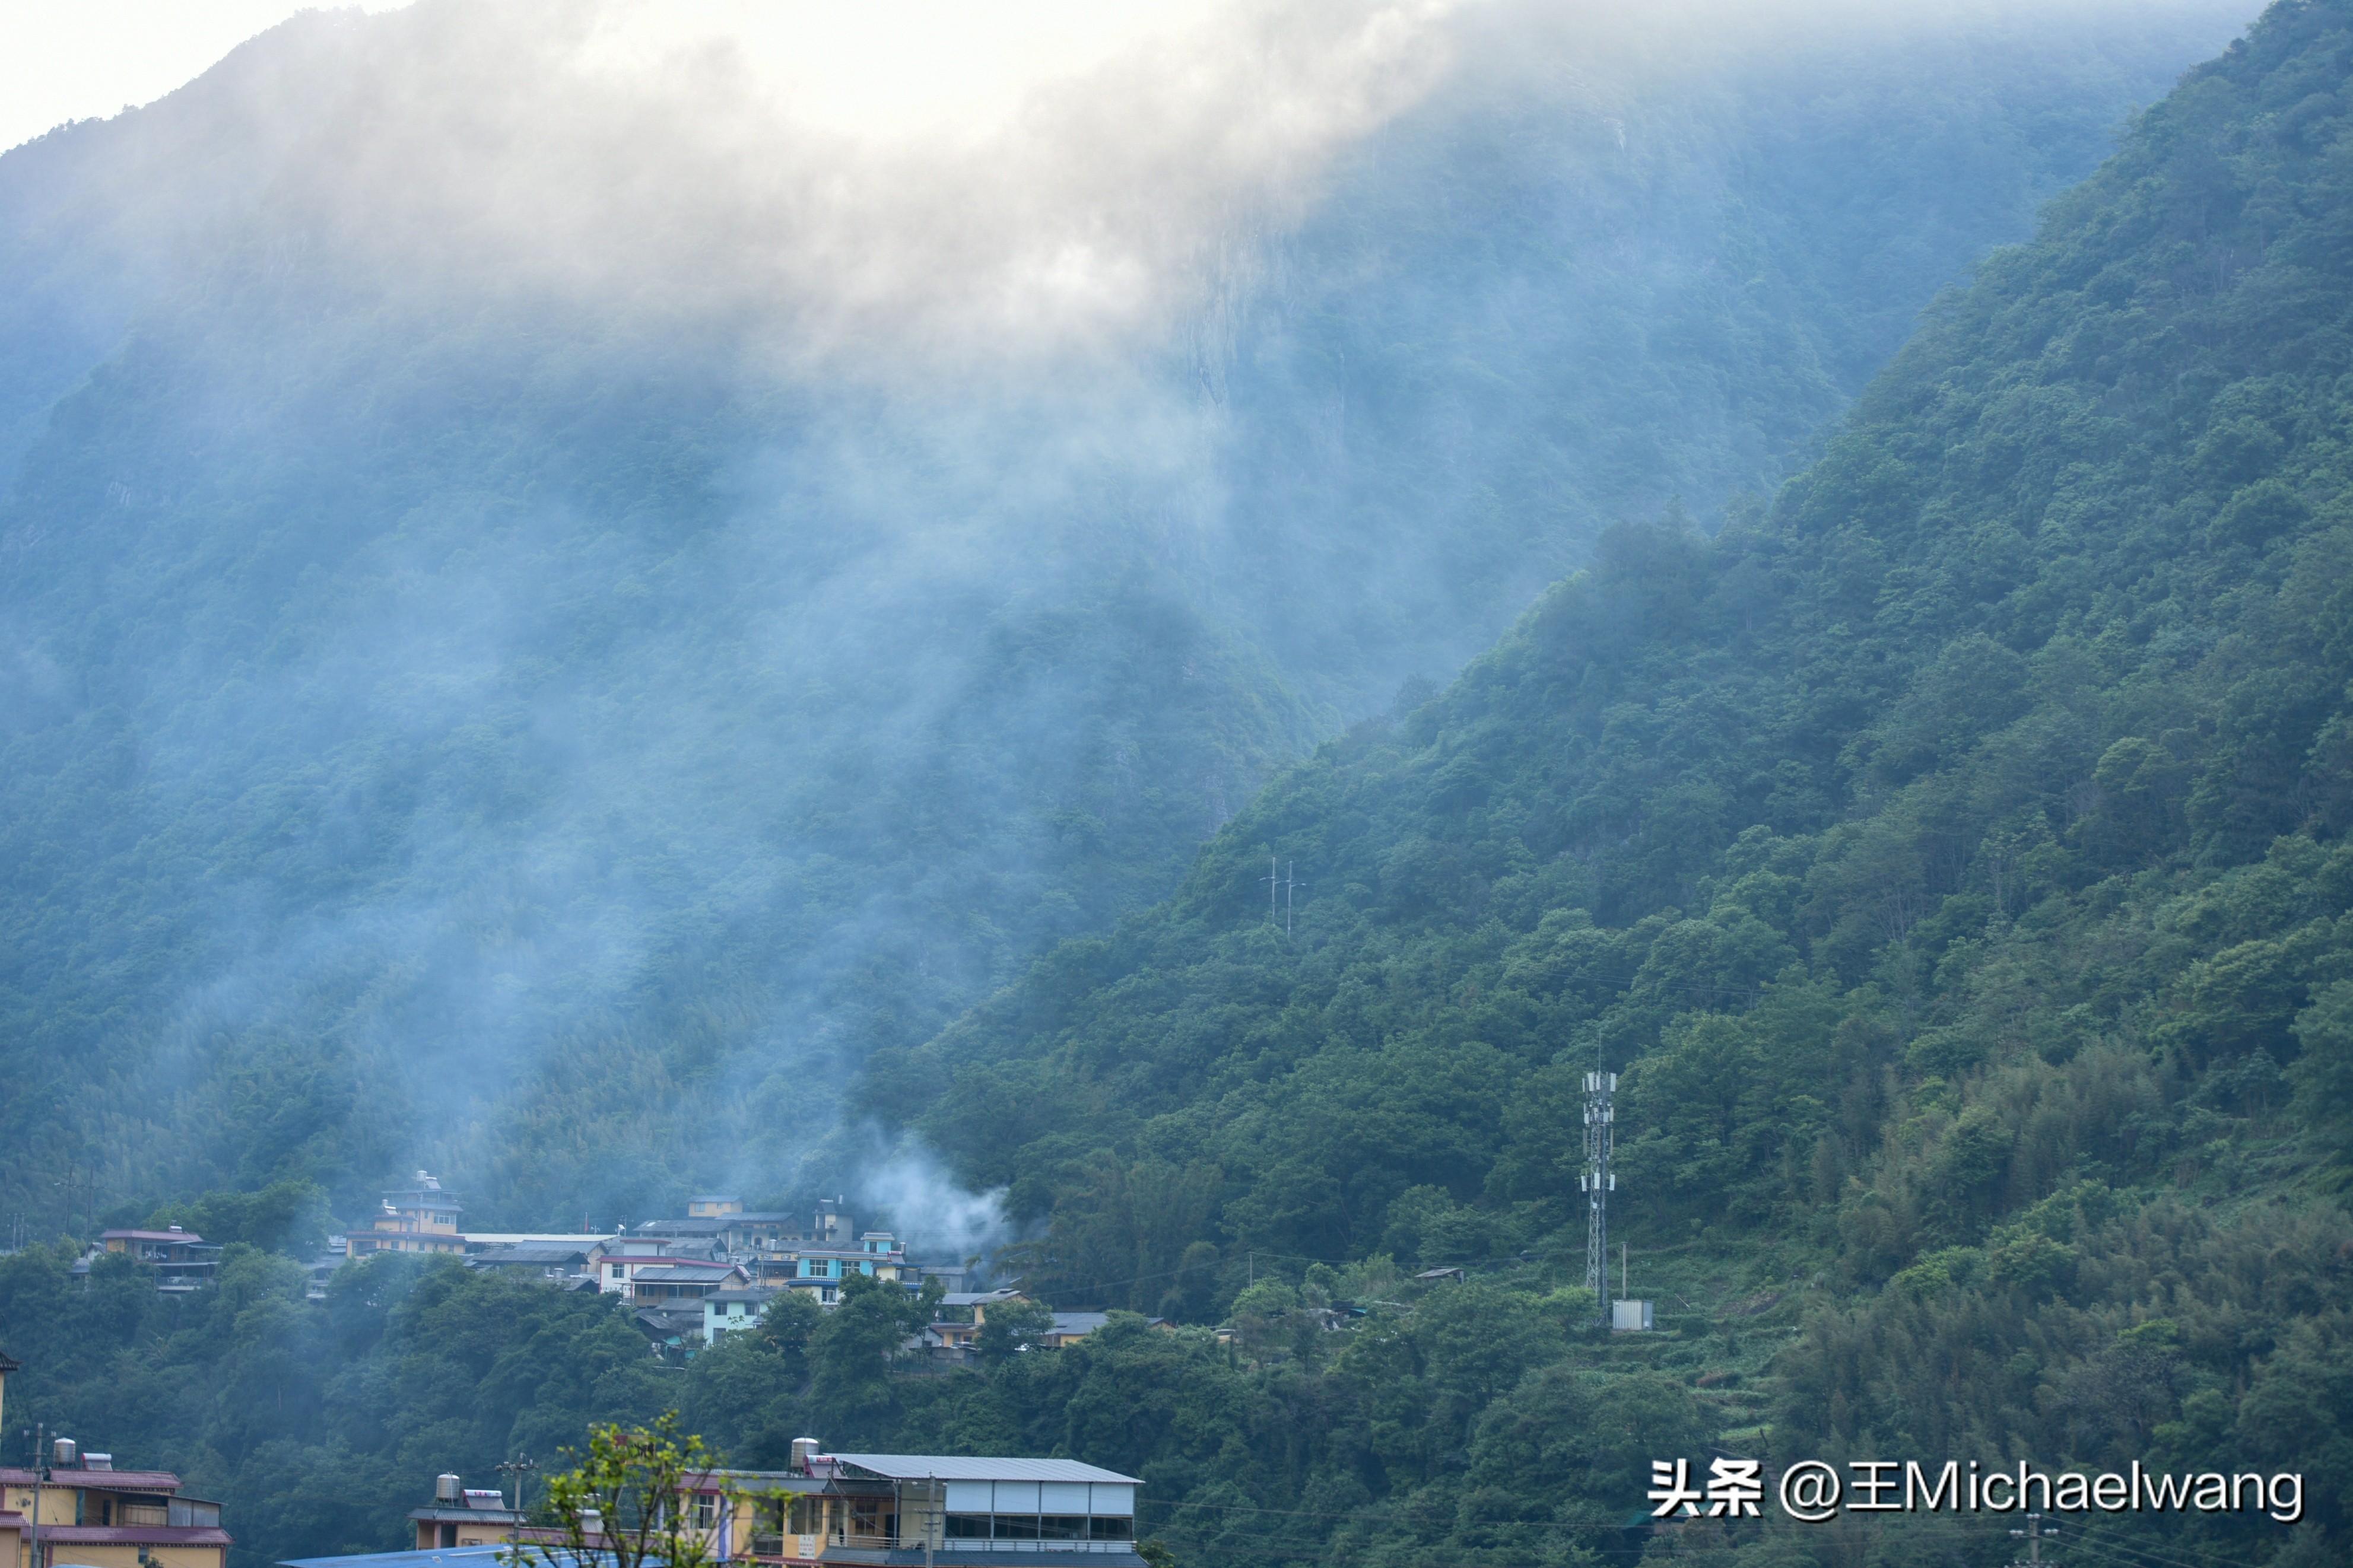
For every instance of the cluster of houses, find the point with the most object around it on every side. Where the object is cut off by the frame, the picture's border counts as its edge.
(937, 1509)
(827, 1507)
(687, 1280)
(74, 1509)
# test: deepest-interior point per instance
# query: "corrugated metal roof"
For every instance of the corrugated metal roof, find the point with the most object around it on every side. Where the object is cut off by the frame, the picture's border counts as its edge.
(677, 1268)
(953, 1468)
(99, 1481)
(529, 1252)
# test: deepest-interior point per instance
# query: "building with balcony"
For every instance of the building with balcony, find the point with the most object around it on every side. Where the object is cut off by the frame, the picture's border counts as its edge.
(78, 1508)
(616, 1263)
(420, 1217)
(878, 1253)
(680, 1284)
(906, 1509)
(181, 1260)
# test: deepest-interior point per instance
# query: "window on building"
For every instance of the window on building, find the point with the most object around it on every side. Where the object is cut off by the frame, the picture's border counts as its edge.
(1103, 1528)
(706, 1512)
(1062, 1527)
(1016, 1526)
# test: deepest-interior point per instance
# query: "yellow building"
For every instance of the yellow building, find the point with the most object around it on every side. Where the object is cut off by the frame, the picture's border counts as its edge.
(461, 1515)
(417, 1218)
(180, 1259)
(837, 1510)
(84, 1511)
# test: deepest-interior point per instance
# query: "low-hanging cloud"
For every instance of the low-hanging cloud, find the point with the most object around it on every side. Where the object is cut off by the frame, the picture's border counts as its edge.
(652, 796)
(688, 170)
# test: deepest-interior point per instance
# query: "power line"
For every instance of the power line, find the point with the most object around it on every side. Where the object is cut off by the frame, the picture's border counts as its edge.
(1281, 886)
(2100, 1533)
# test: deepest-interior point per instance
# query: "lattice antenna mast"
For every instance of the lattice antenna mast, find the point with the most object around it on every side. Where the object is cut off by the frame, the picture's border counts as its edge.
(1598, 1182)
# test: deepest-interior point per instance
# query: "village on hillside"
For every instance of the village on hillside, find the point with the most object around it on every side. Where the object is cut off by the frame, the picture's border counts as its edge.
(687, 1280)
(685, 1283)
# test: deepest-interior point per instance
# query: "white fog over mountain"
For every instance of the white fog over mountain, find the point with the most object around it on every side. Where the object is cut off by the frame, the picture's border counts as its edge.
(561, 589)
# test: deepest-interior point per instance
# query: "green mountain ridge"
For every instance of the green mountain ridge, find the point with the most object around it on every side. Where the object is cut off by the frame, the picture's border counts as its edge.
(1951, 858)
(444, 725)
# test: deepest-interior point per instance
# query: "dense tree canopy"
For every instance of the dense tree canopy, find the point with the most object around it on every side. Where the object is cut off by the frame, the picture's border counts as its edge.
(443, 725)
(1951, 855)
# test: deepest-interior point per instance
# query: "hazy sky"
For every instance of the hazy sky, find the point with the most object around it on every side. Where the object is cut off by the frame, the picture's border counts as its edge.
(916, 64)
(72, 59)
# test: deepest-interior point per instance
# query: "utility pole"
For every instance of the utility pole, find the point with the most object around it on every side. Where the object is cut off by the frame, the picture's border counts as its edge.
(2035, 1533)
(521, 1466)
(1290, 883)
(1598, 1182)
(1273, 890)
(40, 1474)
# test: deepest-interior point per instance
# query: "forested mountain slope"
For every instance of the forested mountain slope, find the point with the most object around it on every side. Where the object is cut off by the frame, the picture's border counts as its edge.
(555, 736)
(1951, 856)
(1951, 859)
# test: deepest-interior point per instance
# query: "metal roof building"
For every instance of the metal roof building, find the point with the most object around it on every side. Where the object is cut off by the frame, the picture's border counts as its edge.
(953, 1468)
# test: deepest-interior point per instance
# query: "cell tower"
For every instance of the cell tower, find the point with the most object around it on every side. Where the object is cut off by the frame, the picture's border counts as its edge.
(1597, 1182)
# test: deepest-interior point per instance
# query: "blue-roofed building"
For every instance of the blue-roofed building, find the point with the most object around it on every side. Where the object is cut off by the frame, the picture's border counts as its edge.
(455, 1557)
